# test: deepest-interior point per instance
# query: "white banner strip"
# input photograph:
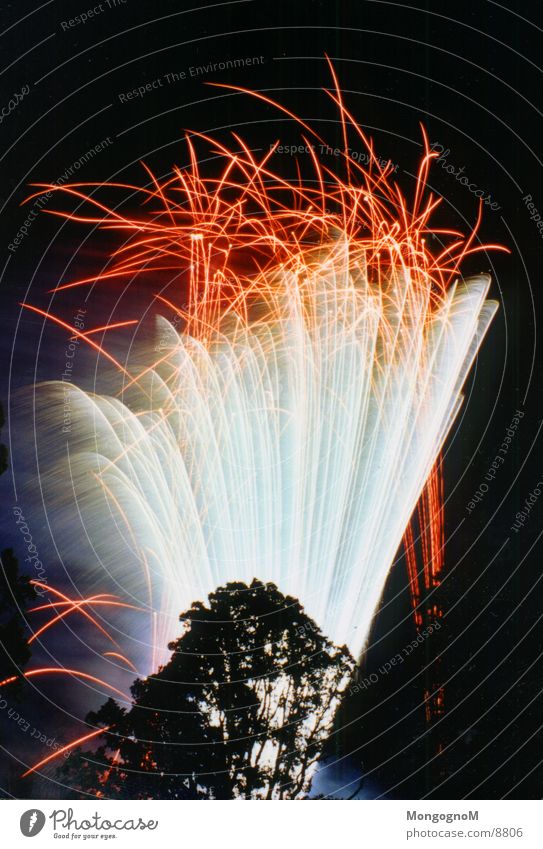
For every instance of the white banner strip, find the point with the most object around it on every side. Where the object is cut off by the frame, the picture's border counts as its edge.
(319, 825)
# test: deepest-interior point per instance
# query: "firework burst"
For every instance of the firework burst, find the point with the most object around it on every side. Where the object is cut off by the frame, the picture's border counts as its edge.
(301, 393)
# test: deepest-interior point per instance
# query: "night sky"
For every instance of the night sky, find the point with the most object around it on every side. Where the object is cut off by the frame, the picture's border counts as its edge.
(131, 80)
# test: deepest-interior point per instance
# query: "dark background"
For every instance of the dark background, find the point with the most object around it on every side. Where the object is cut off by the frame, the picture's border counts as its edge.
(470, 74)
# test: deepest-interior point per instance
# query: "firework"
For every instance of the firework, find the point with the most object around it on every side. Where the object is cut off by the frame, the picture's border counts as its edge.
(302, 391)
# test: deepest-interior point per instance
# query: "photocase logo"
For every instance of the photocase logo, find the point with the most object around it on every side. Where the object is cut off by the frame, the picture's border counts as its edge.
(32, 822)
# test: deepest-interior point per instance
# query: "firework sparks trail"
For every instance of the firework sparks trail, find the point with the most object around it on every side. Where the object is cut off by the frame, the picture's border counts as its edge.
(56, 670)
(288, 431)
(85, 738)
(71, 606)
(428, 523)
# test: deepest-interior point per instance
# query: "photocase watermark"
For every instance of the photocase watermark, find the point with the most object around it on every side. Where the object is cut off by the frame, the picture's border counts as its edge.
(498, 461)
(462, 178)
(308, 628)
(32, 822)
(164, 340)
(44, 198)
(67, 374)
(523, 515)
(14, 102)
(534, 213)
(64, 819)
(397, 660)
(188, 73)
(27, 727)
(91, 13)
(31, 548)
(362, 157)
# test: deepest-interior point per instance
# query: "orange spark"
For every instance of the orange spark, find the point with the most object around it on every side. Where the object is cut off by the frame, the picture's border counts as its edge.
(63, 749)
(49, 670)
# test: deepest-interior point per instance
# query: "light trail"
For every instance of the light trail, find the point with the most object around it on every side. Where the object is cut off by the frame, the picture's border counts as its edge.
(120, 656)
(75, 605)
(58, 752)
(293, 424)
(56, 670)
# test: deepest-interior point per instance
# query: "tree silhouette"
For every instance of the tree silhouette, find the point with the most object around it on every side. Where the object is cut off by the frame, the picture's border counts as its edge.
(241, 710)
(15, 592)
